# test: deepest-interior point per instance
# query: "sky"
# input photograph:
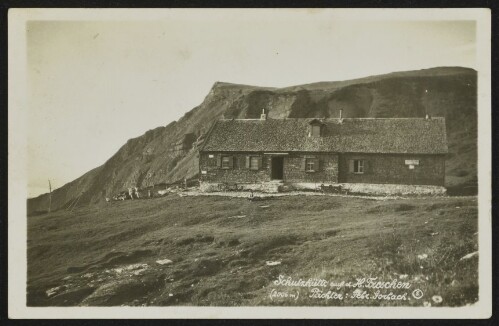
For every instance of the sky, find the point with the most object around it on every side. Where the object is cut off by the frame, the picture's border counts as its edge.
(94, 84)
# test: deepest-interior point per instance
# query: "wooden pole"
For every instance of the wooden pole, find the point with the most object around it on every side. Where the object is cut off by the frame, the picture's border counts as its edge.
(50, 196)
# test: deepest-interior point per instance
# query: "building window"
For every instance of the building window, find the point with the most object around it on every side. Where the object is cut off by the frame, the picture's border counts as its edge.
(211, 160)
(316, 131)
(254, 162)
(358, 166)
(225, 162)
(309, 165)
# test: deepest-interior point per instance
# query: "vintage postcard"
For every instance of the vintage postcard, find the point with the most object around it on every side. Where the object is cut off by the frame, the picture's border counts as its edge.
(256, 163)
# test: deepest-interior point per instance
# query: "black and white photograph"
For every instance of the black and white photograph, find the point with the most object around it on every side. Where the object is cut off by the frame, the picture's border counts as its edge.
(249, 163)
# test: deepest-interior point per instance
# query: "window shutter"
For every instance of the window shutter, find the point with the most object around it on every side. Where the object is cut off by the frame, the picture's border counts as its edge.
(350, 166)
(231, 162)
(219, 161)
(259, 162)
(367, 167)
(303, 164)
(247, 162)
(317, 163)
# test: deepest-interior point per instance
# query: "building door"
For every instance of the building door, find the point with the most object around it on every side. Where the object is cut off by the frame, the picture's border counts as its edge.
(277, 167)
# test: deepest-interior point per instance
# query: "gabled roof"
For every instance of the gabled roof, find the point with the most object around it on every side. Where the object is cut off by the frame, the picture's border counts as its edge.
(349, 135)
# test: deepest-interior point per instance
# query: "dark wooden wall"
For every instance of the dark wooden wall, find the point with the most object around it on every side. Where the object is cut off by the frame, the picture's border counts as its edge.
(391, 168)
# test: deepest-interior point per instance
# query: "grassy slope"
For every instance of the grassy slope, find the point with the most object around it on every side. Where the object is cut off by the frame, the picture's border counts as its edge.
(218, 260)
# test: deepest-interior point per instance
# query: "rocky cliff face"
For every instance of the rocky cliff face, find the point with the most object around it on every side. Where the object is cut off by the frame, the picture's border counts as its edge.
(169, 154)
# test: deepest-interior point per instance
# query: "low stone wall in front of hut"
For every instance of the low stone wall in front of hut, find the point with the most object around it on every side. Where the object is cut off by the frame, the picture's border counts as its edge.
(394, 189)
(377, 189)
(268, 187)
(352, 188)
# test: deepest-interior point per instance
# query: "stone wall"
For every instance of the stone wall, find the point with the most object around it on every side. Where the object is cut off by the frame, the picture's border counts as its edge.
(326, 173)
(394, 189)
(351, 188)
(391, 169)
(268, 187)
(210, 172)
(293, 168)
(376, 189)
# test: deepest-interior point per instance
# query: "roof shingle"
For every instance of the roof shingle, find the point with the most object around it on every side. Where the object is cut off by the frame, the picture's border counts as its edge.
(351, 135)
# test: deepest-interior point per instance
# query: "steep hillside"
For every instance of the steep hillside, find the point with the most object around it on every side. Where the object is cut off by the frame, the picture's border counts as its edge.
(168, 154)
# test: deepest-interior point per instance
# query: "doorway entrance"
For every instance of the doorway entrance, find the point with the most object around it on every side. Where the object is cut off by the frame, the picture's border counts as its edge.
(277, 167)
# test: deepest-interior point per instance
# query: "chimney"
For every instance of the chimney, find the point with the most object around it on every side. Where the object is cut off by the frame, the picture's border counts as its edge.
(263, 116)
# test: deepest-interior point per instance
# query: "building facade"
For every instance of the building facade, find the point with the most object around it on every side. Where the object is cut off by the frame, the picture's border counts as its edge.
(310, 152)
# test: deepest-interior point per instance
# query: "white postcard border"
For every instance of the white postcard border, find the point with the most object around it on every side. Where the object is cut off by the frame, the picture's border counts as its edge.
(17, 161)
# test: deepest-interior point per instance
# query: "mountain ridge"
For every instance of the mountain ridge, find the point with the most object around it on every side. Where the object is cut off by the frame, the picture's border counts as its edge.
(167, 154)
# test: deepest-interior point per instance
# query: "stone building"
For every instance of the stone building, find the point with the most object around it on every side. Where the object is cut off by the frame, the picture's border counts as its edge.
(304, 153)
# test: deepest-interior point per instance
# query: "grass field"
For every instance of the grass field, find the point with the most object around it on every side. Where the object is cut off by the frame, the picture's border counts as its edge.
(221, 250)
